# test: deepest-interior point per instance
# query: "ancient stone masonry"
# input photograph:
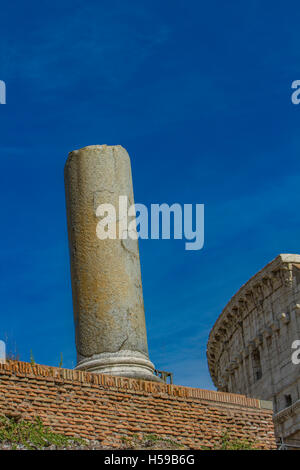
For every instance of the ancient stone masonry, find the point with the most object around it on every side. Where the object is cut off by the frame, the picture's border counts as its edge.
(249, 348)
(109, 408)
(106, 277)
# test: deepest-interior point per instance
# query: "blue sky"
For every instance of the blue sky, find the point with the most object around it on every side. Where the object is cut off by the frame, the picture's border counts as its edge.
(199, 93)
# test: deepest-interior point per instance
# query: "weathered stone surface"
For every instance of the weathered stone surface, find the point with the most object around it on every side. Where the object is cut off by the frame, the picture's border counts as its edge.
(250, 346)
(106, 279)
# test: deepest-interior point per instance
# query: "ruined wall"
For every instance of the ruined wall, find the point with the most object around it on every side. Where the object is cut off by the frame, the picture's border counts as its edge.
(106, 408)
(249, 348)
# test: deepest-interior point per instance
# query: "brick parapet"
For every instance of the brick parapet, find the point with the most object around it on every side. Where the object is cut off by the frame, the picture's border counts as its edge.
(105, 407)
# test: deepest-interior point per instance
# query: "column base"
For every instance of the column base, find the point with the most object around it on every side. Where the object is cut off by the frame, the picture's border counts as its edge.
(122, 363)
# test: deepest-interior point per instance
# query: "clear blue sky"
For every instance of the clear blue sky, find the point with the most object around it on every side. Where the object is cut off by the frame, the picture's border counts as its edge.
(199, 95)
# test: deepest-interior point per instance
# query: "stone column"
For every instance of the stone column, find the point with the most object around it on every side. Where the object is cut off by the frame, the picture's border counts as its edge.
(108, 302)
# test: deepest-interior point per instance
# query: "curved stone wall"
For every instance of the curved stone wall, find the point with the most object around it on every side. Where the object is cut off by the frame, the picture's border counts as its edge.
(249, 348)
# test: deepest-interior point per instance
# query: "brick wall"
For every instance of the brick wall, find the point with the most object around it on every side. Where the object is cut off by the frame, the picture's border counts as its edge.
(106, 408)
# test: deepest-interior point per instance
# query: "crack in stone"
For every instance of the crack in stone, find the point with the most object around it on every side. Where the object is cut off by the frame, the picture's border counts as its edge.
(128, 250)
(122, 345)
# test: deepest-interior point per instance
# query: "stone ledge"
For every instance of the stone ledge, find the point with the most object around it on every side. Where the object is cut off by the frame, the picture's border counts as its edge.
(57, 374)
(266, 405)
(289, 411)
